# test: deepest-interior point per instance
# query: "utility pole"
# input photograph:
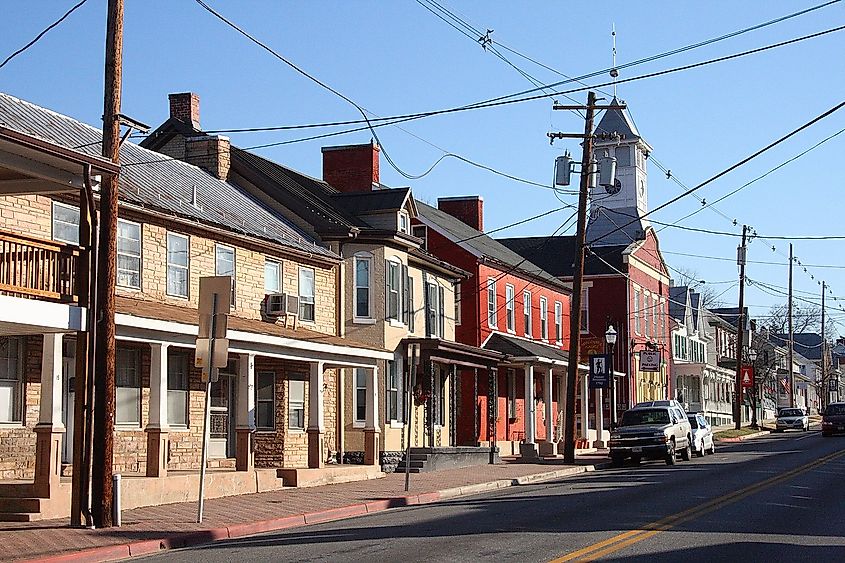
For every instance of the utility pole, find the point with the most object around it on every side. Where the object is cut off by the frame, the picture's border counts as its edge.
(104, 401)
(791, 347)
(740, 331)
(822, 394)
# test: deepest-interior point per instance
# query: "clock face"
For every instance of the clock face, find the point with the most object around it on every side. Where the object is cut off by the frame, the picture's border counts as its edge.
(614, 189)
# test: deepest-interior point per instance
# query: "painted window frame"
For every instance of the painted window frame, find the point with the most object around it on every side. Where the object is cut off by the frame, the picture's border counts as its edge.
(359, 397)
(125, 254)
(128, 387)
(512, 412)
(393, 392)
(74, 211)
(178, 388)
(492, 321)
(456, 291)
(409, 297)
(278, 266)
(173, 267)
(646, 321)
(510, 312)
(261, 424)
(218, 271)
(360, 288)
(305, 300)
(296, 406)
(544, 318)
(16, 382)
(558, 322)
(527, 313)
(585, 310)
(393, 290)
(637, 327)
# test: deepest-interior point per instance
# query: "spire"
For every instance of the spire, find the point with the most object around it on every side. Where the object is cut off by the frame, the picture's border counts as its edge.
(617, 121)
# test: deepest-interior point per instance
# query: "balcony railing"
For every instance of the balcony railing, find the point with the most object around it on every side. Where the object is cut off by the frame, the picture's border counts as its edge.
(38, 269)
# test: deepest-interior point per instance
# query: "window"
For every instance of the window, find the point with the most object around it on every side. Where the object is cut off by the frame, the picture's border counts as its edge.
(177, 265)
(511, 394)
(306, 294)
(441, 311)
(272, 276)
(526, 311)
(511, 316)
(623, 156)
(360, 395)
(363, 267)
(128, 254)
(65, 223)
(224, 264)
(409, 307)
(645, 315)
(128, 387)
(433, 329)
(662, 335)
(296, 404)
(637, 327)
(392, 270)
(558, 322)
(585, 310)
(404, 223)
(394, 405)
(491, 303)
(265, 400)
(457, 303)
(11, 379)
(544, 319)
(177, 389)
(421, 232)
(655, 313)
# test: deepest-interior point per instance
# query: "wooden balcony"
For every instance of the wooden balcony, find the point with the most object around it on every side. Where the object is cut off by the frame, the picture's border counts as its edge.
(38, 269)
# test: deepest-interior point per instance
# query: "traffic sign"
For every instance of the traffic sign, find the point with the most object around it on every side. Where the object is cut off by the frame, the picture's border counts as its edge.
(600, 371)
(746, 376)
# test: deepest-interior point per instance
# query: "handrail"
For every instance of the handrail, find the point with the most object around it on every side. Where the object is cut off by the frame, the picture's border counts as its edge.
(37, 268)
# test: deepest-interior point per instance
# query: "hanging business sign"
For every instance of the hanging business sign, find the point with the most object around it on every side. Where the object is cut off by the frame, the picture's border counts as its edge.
(600, 371)
(649, 360)
(746, 377)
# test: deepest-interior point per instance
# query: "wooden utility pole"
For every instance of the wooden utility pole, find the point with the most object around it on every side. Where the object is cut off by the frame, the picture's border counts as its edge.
(822, 393)
(577, 282)
(104, 401)
(740, 331)
(791, 347)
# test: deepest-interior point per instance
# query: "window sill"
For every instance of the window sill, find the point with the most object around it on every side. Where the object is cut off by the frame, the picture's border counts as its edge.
(359, 424)
(130, 427)
(10, 424)
(265, 430)
(511, 331)
(397, 424)
(306, 321)
(128, 288)
(296, 430)
(396, 324)
(180, 429)
(363, 321)
(184, 297)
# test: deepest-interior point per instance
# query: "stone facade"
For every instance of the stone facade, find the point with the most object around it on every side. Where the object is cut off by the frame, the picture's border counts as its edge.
(17, 440)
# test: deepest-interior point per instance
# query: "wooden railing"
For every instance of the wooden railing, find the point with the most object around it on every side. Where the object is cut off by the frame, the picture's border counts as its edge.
(38, 269)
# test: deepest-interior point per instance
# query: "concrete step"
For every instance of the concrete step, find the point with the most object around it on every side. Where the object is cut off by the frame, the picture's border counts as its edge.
(16, 505)
(18, 517)
(17, 490)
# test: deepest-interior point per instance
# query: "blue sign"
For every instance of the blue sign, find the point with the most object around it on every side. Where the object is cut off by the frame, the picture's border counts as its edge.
(601, 371)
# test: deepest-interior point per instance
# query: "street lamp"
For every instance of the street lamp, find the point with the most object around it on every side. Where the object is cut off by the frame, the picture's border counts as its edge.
(610, 342)
(752, 356)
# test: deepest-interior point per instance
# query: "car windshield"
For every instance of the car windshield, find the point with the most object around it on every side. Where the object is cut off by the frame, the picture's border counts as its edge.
(645, 416)
(791, 412)
(835, 410)
(693, 421)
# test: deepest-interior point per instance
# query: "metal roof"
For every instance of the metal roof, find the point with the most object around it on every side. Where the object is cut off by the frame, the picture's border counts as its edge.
(556, 255)
(617, 121)
(612, 227)
(519, 348)
(155, 181)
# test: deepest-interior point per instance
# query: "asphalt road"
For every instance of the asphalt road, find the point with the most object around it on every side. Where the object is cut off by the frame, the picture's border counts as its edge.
(774, 498)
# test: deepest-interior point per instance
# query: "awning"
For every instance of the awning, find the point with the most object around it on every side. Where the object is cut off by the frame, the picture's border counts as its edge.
(448, 352)
(521, 351)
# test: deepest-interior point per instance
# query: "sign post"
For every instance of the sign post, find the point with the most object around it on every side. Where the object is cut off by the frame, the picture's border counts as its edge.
(212, 352)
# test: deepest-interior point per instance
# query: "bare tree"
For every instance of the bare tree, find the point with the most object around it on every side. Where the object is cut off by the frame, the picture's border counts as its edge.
(710, 298)
(806, 317)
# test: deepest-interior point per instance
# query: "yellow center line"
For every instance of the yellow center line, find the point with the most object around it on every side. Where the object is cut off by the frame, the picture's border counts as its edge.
(625, 539)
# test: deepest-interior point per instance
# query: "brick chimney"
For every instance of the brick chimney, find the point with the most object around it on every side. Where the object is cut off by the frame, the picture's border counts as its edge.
(469, 209)
(211, 153)
(185, 107)
(351, 168)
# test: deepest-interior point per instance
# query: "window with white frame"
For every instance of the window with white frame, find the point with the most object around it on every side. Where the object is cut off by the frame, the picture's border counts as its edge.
(393, 406)
(224, 263)
(585, 310)
(662, 334)
(265, 400)
(11, 379)
(457, 304)
(526, 311)
(360, 396)
(433, 310)
(511, 394)
(544, 319)
(296, 404)
(392, 275)
(306, 294)
(646, 310)
(128, 254)
(363, 288)
(65, 223)
(404, 223)
(178, 389)
(272, 276)
(510, 314)
(558, 321)
(654, 317)
(637, 327)
(127, 376)
(177, 265)
(491, 303)
(410, 311)
(441, 311)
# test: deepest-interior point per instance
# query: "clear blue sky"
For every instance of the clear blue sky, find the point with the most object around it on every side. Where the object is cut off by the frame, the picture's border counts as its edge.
(396, 57)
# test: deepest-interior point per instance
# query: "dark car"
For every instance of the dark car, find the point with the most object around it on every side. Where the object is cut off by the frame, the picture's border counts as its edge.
(654, 430)
(833, 420)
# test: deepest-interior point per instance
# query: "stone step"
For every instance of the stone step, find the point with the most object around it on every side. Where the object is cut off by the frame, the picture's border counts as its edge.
(17, 490)
(18, 517)
(19, 505)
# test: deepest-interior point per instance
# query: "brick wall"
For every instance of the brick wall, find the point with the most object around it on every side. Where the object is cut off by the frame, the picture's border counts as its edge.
(17, 443)
(27, 215)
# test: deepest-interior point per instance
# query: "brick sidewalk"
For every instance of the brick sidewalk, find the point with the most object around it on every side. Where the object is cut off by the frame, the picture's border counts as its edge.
(23, 541)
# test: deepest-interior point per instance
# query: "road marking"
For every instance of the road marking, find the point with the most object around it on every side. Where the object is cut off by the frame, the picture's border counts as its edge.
(625, 539)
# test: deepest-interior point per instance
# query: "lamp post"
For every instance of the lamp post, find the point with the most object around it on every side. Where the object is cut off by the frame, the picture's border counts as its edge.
(610, 342)
(752, 356)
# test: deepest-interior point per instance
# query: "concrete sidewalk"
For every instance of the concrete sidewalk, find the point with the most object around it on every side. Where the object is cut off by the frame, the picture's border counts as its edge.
(148, 530)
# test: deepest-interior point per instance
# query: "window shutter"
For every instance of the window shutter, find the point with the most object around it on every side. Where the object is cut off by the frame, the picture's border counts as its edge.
(403, 298)
(410, 304)
(441, 304)
(387, 289)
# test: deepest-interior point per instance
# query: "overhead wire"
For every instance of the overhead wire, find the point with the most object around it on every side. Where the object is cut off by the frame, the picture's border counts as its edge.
(43, 33)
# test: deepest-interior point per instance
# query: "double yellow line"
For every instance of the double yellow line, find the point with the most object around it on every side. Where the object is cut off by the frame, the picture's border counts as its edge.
(625, 539)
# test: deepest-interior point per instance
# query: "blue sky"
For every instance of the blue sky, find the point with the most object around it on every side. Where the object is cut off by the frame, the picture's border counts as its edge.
(396, 57)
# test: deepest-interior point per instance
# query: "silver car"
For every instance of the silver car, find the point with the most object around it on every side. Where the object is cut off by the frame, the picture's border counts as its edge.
(794, 419)
(702, 435)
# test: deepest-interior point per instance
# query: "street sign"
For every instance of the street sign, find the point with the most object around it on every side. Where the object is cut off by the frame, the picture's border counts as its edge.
(221, 353)
(221, 324)
(222, 286)
(600, 371)
(746, 376)
(649, 360)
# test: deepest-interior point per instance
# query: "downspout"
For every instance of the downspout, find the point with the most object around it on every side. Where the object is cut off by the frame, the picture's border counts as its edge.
(340, 304)
(91, 325)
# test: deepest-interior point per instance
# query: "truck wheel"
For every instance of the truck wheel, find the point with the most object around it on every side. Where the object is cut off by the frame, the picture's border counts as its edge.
(670, 455)
(686, 453)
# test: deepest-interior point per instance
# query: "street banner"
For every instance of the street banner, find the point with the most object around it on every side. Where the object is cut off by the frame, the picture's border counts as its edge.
(601, 371)
(746, 376)
(650, 360)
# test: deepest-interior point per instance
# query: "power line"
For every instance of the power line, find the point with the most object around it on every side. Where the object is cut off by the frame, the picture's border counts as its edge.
(43, 33)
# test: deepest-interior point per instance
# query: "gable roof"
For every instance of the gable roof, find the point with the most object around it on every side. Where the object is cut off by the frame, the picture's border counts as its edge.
(483, 245)
(155, 181)
(381, 200)
(808, 344)
(613, 227)
(678, 302)
(617, 121)
(731, 315)
(556, 255)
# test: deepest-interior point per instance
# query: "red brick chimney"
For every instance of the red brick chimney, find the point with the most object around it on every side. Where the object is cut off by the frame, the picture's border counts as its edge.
(185, 107)
(351, 168)
(469, 209)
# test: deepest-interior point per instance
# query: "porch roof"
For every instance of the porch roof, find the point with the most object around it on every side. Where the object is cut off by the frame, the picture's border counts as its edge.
(528, 351)
(450, 352)
(140, 320)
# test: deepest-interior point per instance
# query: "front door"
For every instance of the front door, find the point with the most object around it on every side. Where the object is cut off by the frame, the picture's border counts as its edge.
(68, 382)
(221, 442)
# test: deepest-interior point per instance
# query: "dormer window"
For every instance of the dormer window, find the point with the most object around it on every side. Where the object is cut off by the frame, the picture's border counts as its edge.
(421, 232)
(404, 223)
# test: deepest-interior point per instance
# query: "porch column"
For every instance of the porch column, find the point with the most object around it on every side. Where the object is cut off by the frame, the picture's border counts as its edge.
(372, 428)
(316, 420)
(157, 429)
(529, 447)
(599, 443)
(561, 406)
(548, 447)
(244, 449)
(585, 406)
(49, 430)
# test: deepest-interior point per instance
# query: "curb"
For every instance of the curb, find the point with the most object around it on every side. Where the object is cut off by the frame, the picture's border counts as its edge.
(744, 437)
(190, 539)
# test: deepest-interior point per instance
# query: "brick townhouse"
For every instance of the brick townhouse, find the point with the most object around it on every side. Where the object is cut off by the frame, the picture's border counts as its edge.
(276, 405)
(393, 295)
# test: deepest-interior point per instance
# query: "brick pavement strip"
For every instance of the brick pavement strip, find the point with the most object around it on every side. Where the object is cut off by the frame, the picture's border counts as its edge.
(148, 530)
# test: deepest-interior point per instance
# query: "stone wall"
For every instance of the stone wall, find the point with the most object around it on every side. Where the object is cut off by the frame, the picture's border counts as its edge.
(17, 441)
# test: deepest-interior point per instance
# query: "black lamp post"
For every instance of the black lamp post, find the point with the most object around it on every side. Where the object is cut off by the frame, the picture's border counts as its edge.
(610, 342)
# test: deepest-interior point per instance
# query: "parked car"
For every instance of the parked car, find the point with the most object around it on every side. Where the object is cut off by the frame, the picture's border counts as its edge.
(702, 435)
(833, 419)
(790, 418)
(652, 430)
